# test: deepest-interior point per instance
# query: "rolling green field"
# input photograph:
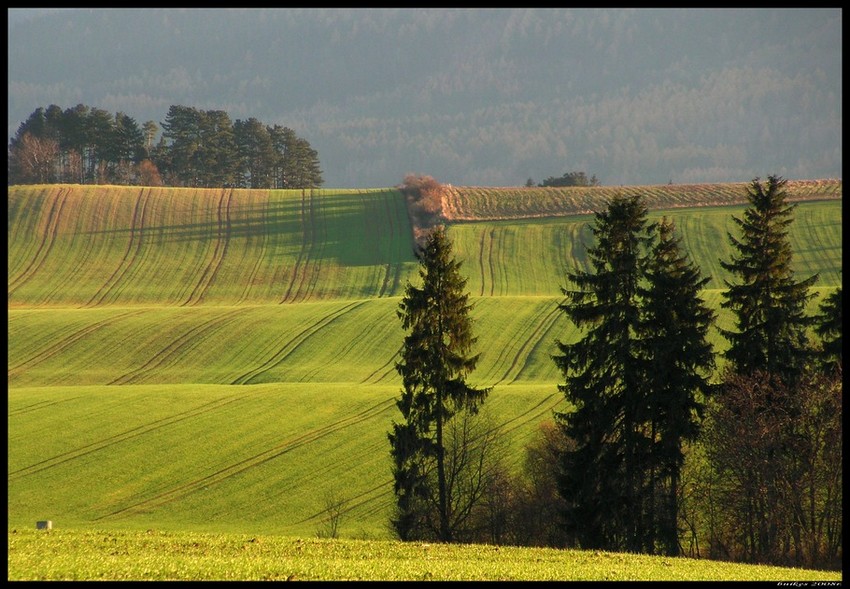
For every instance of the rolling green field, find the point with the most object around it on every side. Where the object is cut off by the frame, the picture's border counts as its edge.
(220, 361)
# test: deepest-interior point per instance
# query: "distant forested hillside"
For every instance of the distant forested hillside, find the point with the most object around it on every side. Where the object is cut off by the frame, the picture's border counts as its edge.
(487, 97)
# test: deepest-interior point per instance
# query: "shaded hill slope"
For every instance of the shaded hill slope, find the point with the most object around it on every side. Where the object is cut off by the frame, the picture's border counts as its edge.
(89, 246)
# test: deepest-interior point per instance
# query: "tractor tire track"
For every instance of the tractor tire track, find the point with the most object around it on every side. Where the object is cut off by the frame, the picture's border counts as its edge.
(315, 268)
(531, 343)
(291, 345)
(489, 256)
(505, 351)
(192, 338)
(370, 228)
(306, 243)
(390, 361)
(134, 432)
(260, 255)
(39, 406)
(481, 260)
(384, 489)
(543, 406)
(222, 241)
(130, 254)
(490, 261)
(550, 323)
(254, 461)
(48, 238)
(388, 276)
(67, 341)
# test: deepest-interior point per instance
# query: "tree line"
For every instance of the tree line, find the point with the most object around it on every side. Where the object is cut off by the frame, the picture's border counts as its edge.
(659, 452)
(575, 178)
(196, 148)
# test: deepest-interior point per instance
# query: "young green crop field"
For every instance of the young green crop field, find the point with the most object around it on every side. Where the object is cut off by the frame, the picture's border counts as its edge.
(207, 362)
(157, 555)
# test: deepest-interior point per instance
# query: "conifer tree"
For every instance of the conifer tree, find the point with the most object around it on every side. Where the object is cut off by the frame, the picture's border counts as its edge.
(679, 360)
(764, 385)
(435, 361)
(828, 328)
(599, 478)
(768, 303)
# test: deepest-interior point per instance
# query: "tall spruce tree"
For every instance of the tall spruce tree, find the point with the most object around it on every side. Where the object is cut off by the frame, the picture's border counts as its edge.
(679, 360)
(828, 328)
(600, 478)
(435, 361)
(768, 303)
(770, 358)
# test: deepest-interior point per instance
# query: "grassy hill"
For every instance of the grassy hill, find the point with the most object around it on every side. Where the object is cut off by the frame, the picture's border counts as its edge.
(222, 360)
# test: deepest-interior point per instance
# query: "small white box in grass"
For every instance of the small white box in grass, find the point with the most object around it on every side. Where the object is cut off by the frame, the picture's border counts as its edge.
(44, 525)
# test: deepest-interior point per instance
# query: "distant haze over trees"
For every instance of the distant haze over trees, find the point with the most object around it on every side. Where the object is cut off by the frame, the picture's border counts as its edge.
(486, 97)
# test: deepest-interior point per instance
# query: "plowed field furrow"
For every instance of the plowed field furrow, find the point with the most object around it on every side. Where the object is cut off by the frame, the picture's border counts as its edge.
(222, 240)
(130, 254)
(67, 341)
(48, 238)
(254, 461)
(189, 340)
(293, 343)
(64, 457)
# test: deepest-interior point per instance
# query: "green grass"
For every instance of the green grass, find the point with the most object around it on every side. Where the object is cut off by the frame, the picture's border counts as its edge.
(199, 361)
(219, 458)
(106, 245)
(530, 257)
(156, 555)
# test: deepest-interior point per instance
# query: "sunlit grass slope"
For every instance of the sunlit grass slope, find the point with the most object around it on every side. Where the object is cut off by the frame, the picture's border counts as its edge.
(219, 458)
(90, 246)
(223, 360)
(530, 257)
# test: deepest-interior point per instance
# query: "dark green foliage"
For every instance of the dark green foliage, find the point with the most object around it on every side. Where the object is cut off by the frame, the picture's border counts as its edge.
(569, 179)
(828, 328)
(434, 364)
(635, 380)
(776, 452)
(674, 331)
(197, 148)
(774, 431)
(768, 304)
(603, 376)
(257, 152)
